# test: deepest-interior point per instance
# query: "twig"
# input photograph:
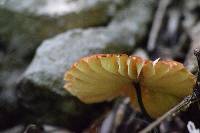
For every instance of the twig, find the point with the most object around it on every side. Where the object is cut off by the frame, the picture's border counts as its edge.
(190, 61)
(183, 104)
(196, 93)
(163, 4)
(114, 118)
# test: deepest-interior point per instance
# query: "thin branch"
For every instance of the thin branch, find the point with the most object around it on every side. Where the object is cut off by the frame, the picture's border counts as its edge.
(163, 4)
(196, 93)
(183, 104)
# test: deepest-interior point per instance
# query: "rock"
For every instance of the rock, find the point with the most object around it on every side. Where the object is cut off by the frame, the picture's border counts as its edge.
(9, 110)
(56, 55)
(49, 128)
(58, 8)
(141, 53)
(62, 50)
(24, 24)
(16, 129)
(41, 86)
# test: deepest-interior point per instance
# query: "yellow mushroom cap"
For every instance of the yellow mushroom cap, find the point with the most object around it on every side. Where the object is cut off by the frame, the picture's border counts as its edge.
(163, 85)
(103, 77)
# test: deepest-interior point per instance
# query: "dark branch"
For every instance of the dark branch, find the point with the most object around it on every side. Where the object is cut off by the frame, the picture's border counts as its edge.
(196, 93)
(139, 99)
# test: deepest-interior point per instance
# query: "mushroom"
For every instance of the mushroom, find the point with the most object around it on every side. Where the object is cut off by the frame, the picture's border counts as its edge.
(157, 85)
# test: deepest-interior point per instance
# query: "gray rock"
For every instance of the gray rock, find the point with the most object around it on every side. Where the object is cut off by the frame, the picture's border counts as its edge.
(16, 129)
(9, 110)
(43, 79)
(141, 53)
(23, 26)
(26, 23)
(56, 55)
(49, 128)
(54, 9)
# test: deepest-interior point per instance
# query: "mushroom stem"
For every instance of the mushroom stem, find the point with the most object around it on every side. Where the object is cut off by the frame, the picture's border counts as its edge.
(140, 102)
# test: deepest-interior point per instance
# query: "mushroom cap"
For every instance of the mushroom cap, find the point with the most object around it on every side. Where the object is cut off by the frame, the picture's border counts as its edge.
(163, 85)
(103, 77)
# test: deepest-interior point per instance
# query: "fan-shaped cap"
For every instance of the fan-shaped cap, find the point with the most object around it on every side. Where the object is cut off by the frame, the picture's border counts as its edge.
(103, 77)
(163, 85)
